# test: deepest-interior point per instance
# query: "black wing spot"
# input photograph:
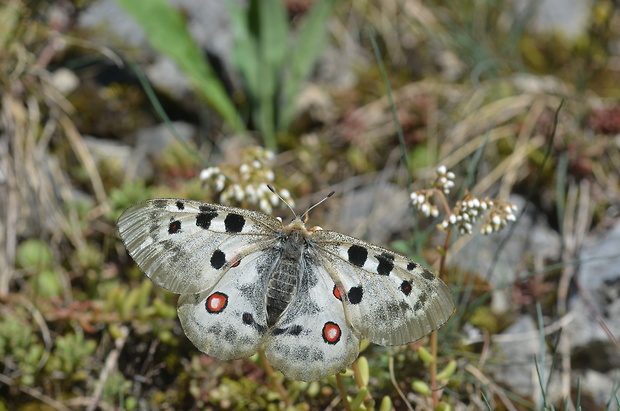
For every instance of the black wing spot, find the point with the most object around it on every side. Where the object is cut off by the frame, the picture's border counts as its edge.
(355, 295)
(406, 287)
(295, 330)
(278, 331)
(218, 259)
(428, 275)
(386, 263)
(234, 223)
(357, 255)
(411, 266)
(180, 205)
(248, 319)
(174, 227)
(203, 219)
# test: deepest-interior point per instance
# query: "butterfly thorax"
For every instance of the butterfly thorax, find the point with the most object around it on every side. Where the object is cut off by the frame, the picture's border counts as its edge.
(284, 279)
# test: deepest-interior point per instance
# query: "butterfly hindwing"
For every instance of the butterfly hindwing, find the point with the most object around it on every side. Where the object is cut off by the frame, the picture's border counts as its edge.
(186, 246)
(312, 339)
(229, 321)
(388, 298)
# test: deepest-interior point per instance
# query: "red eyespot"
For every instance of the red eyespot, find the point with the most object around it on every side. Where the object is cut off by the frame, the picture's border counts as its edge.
(336, 292)
(236, 263)
(216, 303)
(331, 333)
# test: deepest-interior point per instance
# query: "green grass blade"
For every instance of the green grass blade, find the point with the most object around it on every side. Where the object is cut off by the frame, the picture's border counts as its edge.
(245, 50)
(167, 33)
(311, 39)
(274, 30)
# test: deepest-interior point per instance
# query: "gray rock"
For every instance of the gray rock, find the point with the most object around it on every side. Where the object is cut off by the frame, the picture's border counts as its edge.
(568, 17)
(532, 238)
(599, 278)
(151, 143)
(516, 351)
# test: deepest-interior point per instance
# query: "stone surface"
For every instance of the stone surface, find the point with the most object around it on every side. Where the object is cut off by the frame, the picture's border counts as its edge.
(532, 239)
(599, 279)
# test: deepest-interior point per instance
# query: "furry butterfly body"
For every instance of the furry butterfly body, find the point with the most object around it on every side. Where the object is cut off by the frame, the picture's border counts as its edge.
(307, 296)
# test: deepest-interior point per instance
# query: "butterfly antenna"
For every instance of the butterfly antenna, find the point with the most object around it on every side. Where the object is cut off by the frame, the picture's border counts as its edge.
(281, 199)
(306, 213)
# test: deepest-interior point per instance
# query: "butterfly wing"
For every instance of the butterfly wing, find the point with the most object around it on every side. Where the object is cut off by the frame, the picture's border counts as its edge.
(388, 298)
(187, 246)
(229, 321)
(312, 339)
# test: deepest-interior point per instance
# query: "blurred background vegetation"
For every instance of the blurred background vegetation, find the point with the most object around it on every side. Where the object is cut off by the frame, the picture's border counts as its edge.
(91, 123)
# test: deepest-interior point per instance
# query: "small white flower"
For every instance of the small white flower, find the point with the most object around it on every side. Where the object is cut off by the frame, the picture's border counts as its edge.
(445, 224)
(441, 170)
(511, 217)
(434, 211)
(452, 219)
(450, 175)
(269, 176)
(250, 193)
(244, 169)
(426, 209)
(264, 205)
(496, 220)
(256, 164)
(219, 183)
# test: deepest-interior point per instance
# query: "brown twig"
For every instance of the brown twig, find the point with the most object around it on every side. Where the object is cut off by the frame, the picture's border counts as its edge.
(109, 366)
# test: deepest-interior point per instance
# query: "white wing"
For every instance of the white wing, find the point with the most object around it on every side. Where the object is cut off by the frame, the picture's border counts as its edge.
(388, 298)
(229, 322)
(187, 246)
(312, 339)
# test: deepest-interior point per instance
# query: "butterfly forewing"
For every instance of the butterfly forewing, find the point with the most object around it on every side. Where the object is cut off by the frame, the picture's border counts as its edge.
(186, 246)
(389, 299)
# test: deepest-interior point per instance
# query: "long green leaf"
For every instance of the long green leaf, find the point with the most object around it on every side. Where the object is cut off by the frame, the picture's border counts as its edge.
(167, 33)
(273, 31)
(311, 40)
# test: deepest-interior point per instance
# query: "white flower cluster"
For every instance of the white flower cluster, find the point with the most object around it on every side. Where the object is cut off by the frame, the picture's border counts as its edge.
(247, 185)
(421, 201)
(470, 209)
(444, 180)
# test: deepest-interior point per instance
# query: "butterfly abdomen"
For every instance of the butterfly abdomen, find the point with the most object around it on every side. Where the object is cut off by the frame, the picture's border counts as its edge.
(284, 280)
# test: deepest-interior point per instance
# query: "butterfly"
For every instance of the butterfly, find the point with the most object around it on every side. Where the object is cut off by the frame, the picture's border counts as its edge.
(306, 296)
